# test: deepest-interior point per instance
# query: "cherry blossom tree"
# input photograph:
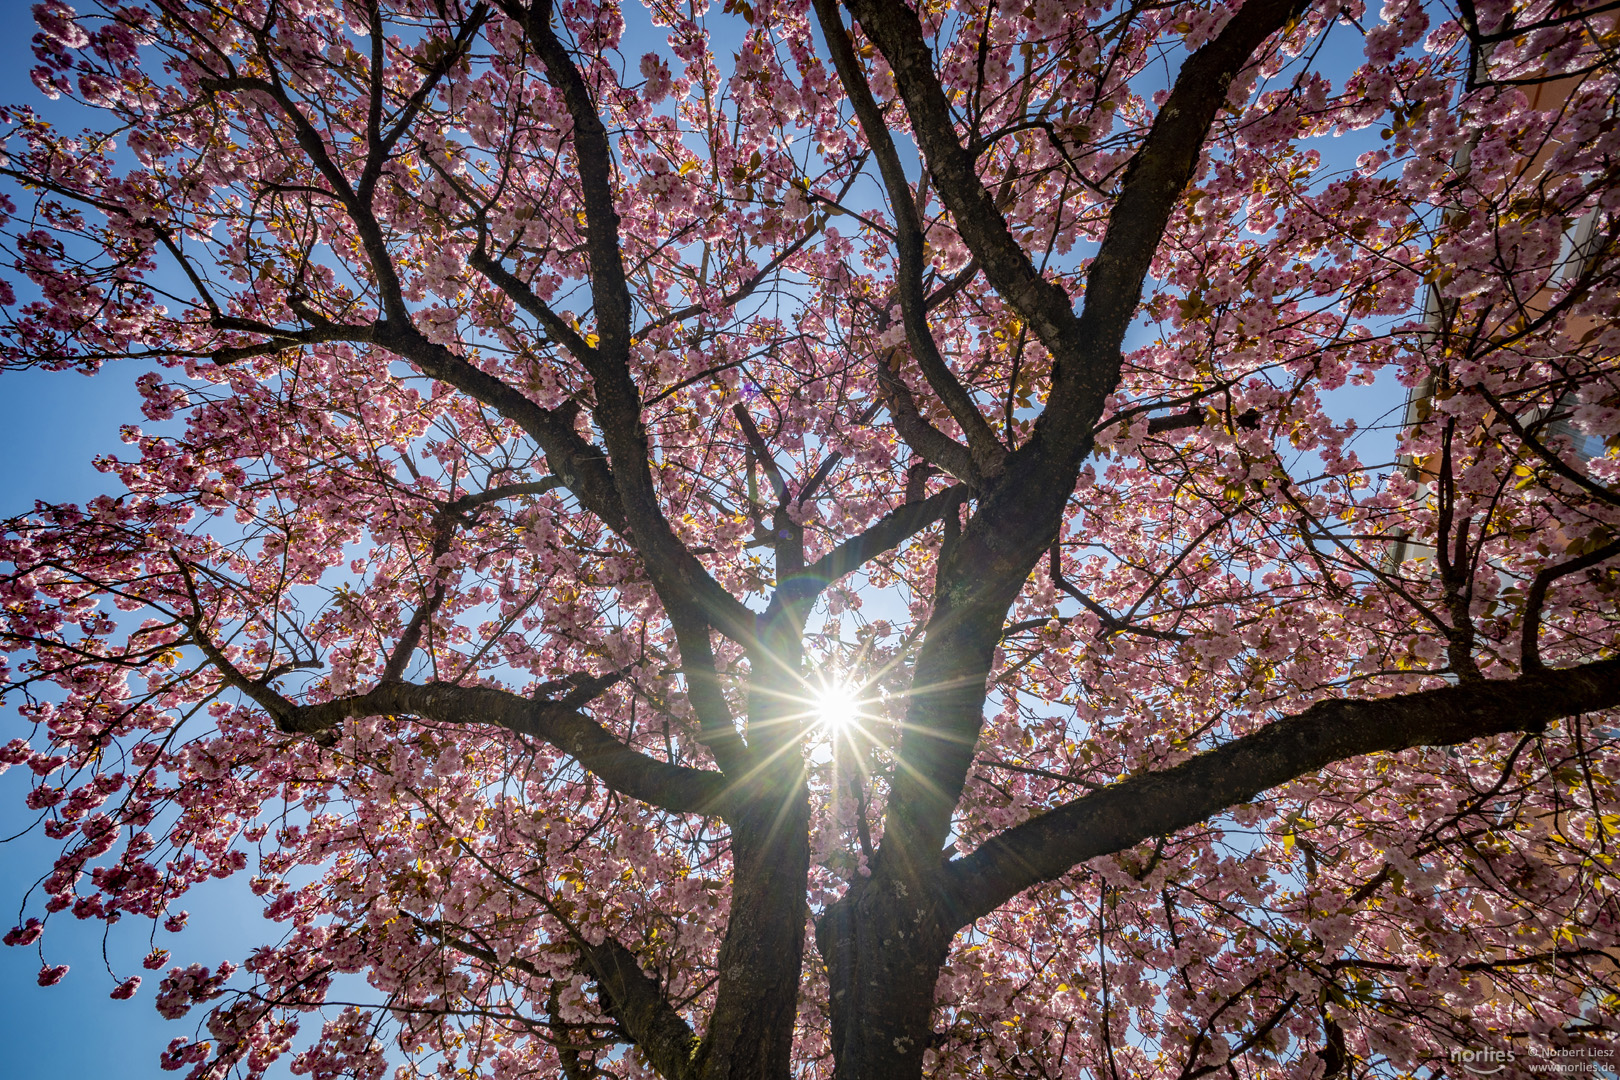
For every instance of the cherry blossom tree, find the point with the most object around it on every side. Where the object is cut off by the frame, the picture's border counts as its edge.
(816, 541)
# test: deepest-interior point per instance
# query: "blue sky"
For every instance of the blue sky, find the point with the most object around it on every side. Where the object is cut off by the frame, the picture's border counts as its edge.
(52, 425)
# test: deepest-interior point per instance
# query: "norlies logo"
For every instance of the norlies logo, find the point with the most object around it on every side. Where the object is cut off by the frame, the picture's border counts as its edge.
(1550, 1060)
(1481, 1062)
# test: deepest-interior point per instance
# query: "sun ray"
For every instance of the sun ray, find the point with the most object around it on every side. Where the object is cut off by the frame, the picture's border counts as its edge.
(837, 707)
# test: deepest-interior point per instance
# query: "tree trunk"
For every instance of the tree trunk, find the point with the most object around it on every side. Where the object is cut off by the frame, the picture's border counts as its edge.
(750, 1034)
(883, 945)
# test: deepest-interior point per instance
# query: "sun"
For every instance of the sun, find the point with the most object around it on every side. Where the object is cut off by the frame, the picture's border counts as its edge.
(837, 706)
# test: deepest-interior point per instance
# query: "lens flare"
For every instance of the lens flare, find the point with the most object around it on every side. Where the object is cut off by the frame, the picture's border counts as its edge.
(837, 707)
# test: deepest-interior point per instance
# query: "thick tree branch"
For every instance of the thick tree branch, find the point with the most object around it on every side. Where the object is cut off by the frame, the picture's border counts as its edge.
(694, 600)
(356, 203)
(910, 262)
(889, 531)
(282, 339)
(1149, 193)
(638, 1003)
(444, 527)
(526, 298)
(610, 289)
(633, 998)
(583, 467)
(1085, 348)
(1156, 803)
(1017, 516)
(895, 30)
(930, 443)
(1195, 417)
(474, 500)
(1536, 597)
(676, 788)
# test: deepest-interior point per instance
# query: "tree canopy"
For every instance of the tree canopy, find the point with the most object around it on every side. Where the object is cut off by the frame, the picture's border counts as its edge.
(813, 541)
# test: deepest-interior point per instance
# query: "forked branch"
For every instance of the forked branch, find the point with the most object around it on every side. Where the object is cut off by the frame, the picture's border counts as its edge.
(1157, 803)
